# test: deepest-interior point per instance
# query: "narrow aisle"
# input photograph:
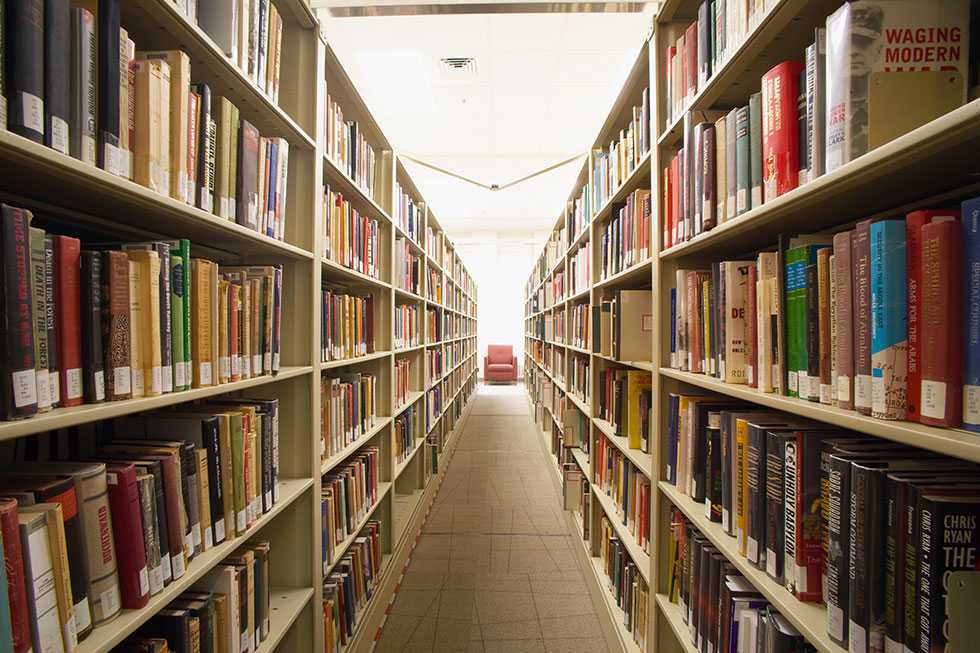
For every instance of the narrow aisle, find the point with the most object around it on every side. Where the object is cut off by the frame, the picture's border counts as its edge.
(494, 568)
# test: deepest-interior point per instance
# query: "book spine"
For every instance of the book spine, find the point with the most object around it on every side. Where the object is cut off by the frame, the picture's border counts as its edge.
(940, 402)
(732, 157)
(93, 381)
(824, 324)
(24, 33)
(751, 327)
(166, 322)
(97, 523)
(108, 86)
(41, 344)
(19, 378)
(151, 538)
(914, 272)
(777, 527)
(13, 562)
(39, 578)
(971, 318)
(861, 312)
(810, 368)
(843, 322)
(757, 195)
(838, 530)
(709, 217)
(889, 334)
(51, 320)
(124, 502)
(57, 65)
(795, 316)
(780, 135)
(116, 325)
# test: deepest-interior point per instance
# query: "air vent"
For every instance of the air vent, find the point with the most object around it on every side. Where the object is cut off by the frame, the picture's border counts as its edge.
(458, 67)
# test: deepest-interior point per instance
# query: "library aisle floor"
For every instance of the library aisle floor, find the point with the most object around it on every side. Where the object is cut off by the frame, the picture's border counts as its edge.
(494, 568)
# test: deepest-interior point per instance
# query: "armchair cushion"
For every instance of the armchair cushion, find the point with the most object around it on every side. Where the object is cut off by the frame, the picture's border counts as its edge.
(500, 354)
(500, 364)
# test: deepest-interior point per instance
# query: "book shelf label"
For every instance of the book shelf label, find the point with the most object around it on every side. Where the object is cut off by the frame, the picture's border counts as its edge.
(74, 379)
(33, 107)
(25, 388)
(59, 134)
(122, 380)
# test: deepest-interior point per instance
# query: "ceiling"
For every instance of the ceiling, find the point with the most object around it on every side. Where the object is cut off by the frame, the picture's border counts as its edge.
(542, 87)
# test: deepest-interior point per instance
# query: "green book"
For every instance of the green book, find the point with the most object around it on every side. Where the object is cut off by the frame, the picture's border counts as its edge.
(798, 258)
(184, 247)
(755, 149)
(743, 195)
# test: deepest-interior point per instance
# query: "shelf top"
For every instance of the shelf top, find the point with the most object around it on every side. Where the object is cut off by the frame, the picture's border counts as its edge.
(335, 272)
(357, 360)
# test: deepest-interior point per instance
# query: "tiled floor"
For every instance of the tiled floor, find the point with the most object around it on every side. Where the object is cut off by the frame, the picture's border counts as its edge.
(494, 569)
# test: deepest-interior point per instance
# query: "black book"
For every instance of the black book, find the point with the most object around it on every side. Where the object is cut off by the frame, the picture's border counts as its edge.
(780, 635)
(24, 59)
(948, 542)
(93, 360)
(811, 389)
(755, 507)
(701, 626)
(57, 68)
(202, 610)
(82, 94)
(205, 183)
(775, 494)
(54, 377)
(172, 625)
(713, 478)
(17, 355)
(108, 38)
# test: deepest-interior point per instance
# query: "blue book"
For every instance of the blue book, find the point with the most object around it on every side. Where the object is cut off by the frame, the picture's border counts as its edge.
(889, 320)
(971, 314)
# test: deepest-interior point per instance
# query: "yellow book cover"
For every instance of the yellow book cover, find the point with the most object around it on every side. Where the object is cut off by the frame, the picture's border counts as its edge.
(148, 288)
(222, 157)
(136, 334)
(741, 484)
(224, 357)
(213, 289)
(636, 383)
(178, 135)
(201, 324)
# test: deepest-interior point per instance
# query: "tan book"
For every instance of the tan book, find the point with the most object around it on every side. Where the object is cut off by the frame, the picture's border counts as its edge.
(136, 334)
(126, 49)
(59, 561)
(204, 499)
(178, 135)
(223, 582)
(223, 113)
(234, 127)
(768, 267)
(635, 337)
(194, 632)
(151, 150)
(224, 359)
(736, 275)
(202, 324)
(244, 559)
(276, 40)
(213, 277)
(721, 175)
(222, 619)
(148, 288)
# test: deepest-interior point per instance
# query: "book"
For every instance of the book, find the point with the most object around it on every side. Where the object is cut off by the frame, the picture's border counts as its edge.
(176, 120)
(82, 86)
(59, 565)
(971, 314)
(151, 151)
(247, 176)
(14, 569)
(109, 119)
(24, 74)
(843, 310)
(57, 64)
(758, 195)
(93, 358)
(116, 325)
(861, 315)
(41, 345)
(887, 95)
(67, 290)
(51, 319)
(889, 332)
(780, 136)
(124, 501)
(151, 536)
(19, 378)
(39, 578)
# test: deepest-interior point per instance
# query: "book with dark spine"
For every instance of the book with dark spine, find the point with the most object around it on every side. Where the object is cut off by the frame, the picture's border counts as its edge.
(82, 93)
(151, 538)
(51, 320)
(24, 75)
(40, 326)
(861, 314)
(18, 381)
(57, 64)
(93, 359)
(108, 39)
(116, 325)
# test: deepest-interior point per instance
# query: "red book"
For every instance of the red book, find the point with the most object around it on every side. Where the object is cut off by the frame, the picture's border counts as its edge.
(913, 254)
(13, 561)
(67, 271)
(691, 61)
(127, 533)
(751, 335)
(940, 402)
(780, 129)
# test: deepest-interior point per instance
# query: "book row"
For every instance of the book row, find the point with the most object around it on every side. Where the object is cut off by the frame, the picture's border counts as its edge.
(435, 364)
(433, 407)
(625, 401)
(627, 487)
(408, 267)
(622, 322)
(810, 118)
(155, 504)
(408, 214)
(348, 410)
(349, 149)
(434, 326)
(405, 375)
(580, 269)
(349, 494)
(80, 86)
(721, 609)
(408, 326)
(875, 319)
(624, 240)
(229, 609)
(407, 430)
(350, 238)
(347, 327)
(350, 586)
(624, 583)
(813, 506)
(611, 166)
(580, 334)
(578, 215)
(139, 319)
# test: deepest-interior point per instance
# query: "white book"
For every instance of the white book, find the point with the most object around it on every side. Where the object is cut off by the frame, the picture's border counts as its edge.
(42, 599)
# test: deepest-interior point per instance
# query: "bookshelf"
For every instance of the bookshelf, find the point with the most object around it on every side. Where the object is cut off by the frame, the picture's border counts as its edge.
(97, 206)
(925, 167)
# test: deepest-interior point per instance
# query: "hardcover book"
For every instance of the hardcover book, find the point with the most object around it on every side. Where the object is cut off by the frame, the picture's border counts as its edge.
(889, 328)
(780, 133)
(19, 379)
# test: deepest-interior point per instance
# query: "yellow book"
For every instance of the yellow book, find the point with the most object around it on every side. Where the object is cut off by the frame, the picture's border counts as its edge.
(148, 287)
(202, 325)
(194, 628)
(224, 358)
(636, 383)
(151, 149)
(741, 484)
(62, 578)
(222, 158)
(125, 148)
(178, 175)
(136, 335)
(223, 619)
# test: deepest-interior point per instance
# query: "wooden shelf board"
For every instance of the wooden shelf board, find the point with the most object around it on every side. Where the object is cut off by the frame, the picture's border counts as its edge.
(809, 618)
(639, 556)
(408, 350)
(579, 350)
(952, 442)
(159, 24)
(341, 548)
(632, 182)
(582, 459)
(581, 294)
(640, 365)
(413, 396)
(408, 293)
(105, 637)
(61, 418)
(637, 272)
(674, 616)
(338, 179)
(357, 360)
(92, 197)
(285, 605)
(332, 269)
(579, 403)
(342, 455)
(642, 461)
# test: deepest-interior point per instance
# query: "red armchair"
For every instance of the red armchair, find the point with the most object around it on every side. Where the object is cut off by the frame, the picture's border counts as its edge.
(500, 364)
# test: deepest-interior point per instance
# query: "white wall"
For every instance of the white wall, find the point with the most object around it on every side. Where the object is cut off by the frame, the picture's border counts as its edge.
(500, 265)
